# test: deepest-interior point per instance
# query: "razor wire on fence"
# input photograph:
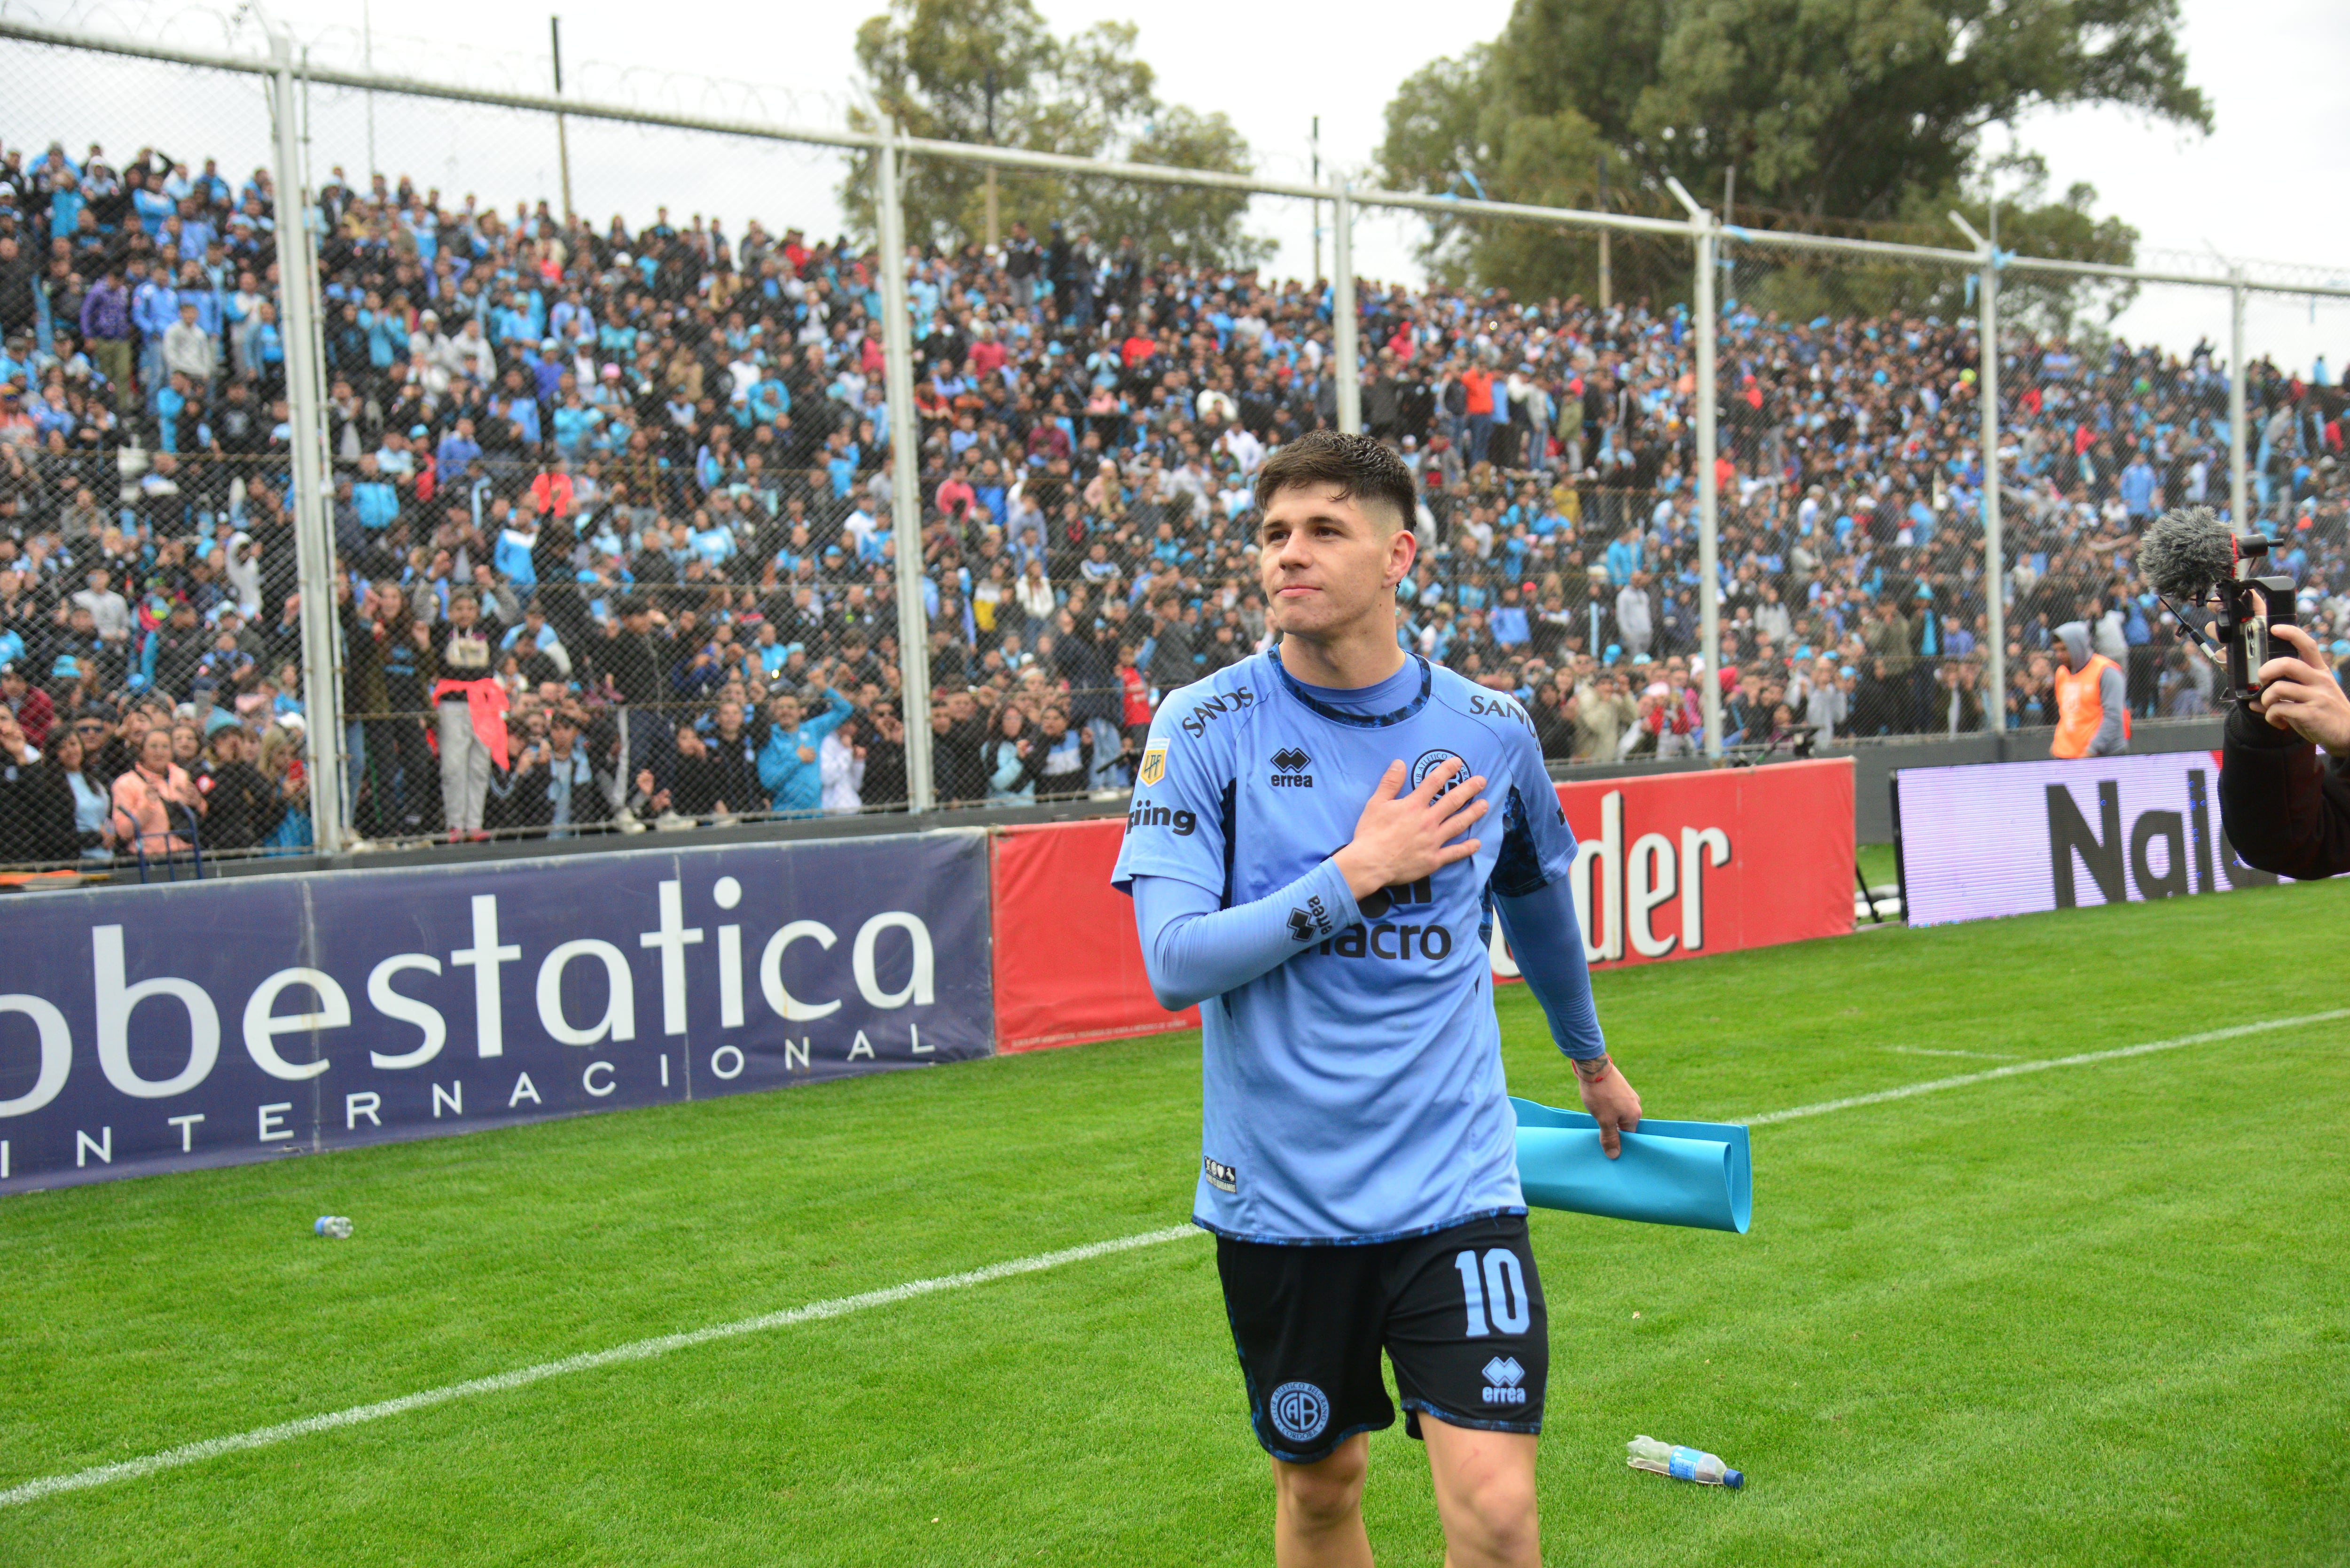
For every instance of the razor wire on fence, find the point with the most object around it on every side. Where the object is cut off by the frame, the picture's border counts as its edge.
(605, 536)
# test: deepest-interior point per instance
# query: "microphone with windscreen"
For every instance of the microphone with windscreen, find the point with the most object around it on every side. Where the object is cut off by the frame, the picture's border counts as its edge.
(2192, 559)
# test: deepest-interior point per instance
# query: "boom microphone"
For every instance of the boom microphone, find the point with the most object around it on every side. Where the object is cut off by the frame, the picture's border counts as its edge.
(2191, 558)
(2185, 551)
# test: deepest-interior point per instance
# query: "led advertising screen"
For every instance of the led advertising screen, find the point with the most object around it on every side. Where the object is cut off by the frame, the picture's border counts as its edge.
(2012, 838)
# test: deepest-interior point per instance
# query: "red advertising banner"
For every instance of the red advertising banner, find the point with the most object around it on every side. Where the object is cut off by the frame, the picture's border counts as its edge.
(1069, 966)
(1668, 866)
(1675, 864)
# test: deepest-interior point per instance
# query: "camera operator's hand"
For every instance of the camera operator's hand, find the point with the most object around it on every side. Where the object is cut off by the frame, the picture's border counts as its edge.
(2302, 695)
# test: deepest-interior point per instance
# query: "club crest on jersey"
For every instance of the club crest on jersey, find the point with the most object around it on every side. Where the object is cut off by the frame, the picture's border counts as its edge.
(1429, 761)
(1289, 765)
(1154, 765)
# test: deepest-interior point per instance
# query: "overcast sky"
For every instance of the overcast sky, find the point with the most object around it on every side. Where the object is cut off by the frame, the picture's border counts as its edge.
(2267, 184)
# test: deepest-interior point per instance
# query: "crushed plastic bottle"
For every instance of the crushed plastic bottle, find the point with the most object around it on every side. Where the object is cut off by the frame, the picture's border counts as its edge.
(1681, 1464)
(333, 1226)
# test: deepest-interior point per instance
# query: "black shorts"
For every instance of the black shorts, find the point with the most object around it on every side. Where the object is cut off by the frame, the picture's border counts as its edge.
(1459, 1312)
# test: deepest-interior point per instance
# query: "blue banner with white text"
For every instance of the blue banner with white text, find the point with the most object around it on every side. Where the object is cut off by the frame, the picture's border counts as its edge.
(154, 1029)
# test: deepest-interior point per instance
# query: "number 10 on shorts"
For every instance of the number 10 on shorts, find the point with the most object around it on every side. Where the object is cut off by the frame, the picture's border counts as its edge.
(1499, 1288)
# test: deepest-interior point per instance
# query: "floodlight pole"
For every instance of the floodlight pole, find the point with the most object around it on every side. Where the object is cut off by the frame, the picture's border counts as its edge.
(2240, 478)
(1314, 155)
(1995, 696)
(1346, 354)
(994, 229)
(562, 133)
(1704, 237)
(1605, 301)
(313, 537)
(905, 474)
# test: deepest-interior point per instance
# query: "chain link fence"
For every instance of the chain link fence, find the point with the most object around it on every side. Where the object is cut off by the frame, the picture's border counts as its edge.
(1554, 438)
(607, 489)
(614, 490)
(148, 653)
(1855, 600)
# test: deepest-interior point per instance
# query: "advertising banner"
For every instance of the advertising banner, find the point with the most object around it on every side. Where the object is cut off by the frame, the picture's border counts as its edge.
(149, 1029)
(1682, 864)
(1666, 867)
(1068, 965)
(2012, 838)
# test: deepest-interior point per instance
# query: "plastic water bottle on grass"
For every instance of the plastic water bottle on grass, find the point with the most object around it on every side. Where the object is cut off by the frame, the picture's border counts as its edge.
(334, 1227)
(1681, 1464)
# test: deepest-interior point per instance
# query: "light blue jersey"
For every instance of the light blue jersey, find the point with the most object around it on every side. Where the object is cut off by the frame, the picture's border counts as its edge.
(1353, 1090)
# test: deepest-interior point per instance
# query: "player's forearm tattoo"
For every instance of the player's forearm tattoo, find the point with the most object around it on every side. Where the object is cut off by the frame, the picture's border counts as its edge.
(1590, 1069)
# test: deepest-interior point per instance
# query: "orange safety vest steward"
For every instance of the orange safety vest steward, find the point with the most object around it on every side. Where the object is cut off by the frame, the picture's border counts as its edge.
(2079, 711)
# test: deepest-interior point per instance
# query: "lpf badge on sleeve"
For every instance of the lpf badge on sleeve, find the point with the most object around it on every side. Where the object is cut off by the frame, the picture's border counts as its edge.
(1154, 765)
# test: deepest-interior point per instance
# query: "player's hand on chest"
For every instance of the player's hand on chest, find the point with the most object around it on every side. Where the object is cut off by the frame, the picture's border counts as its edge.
(1301, 789)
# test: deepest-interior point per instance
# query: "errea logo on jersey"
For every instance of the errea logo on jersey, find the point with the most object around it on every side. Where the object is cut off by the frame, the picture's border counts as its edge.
(1504, 1376)
(1314, 919)
(1289, 765)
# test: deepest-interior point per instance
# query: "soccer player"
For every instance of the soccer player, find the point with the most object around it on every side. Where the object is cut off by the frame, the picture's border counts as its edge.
(1300, 855)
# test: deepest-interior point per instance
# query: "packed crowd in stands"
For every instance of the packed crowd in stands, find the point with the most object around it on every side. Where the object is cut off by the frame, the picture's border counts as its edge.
(614, 517)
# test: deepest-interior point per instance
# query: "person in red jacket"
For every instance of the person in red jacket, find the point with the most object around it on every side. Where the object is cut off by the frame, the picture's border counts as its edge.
(31, 705)
(1477, 382)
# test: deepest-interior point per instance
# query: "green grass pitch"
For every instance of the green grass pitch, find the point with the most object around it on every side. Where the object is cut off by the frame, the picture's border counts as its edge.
(2099, 1314)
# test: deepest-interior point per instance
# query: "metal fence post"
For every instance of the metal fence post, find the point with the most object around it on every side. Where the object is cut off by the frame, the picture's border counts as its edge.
(1347, 355)
(905, 476)
(314, 531)
(1994, 702)
(1994, 706)
(2240, 479)
(1703, 348)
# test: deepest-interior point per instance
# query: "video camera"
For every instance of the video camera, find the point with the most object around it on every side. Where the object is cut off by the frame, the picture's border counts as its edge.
(2192, 559)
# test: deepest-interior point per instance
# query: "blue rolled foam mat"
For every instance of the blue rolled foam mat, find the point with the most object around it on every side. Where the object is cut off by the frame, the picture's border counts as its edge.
(1670, 1173)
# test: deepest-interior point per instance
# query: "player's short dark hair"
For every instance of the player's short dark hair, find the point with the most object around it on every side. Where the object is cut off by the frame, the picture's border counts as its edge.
(1362, 467)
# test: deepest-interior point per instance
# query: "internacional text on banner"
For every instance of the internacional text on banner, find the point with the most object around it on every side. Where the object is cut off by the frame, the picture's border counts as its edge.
(243, 1019)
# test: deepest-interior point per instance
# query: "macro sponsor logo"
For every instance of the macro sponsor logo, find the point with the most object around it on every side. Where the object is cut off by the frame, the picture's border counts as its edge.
(1183, 823)
(1383, 940)
(1196, 721)
(1289, 765)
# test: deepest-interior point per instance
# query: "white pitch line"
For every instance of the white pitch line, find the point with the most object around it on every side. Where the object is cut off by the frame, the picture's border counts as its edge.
(1977, 1055)
(646, 1349)
(2012, 1069)
(639, 1350)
